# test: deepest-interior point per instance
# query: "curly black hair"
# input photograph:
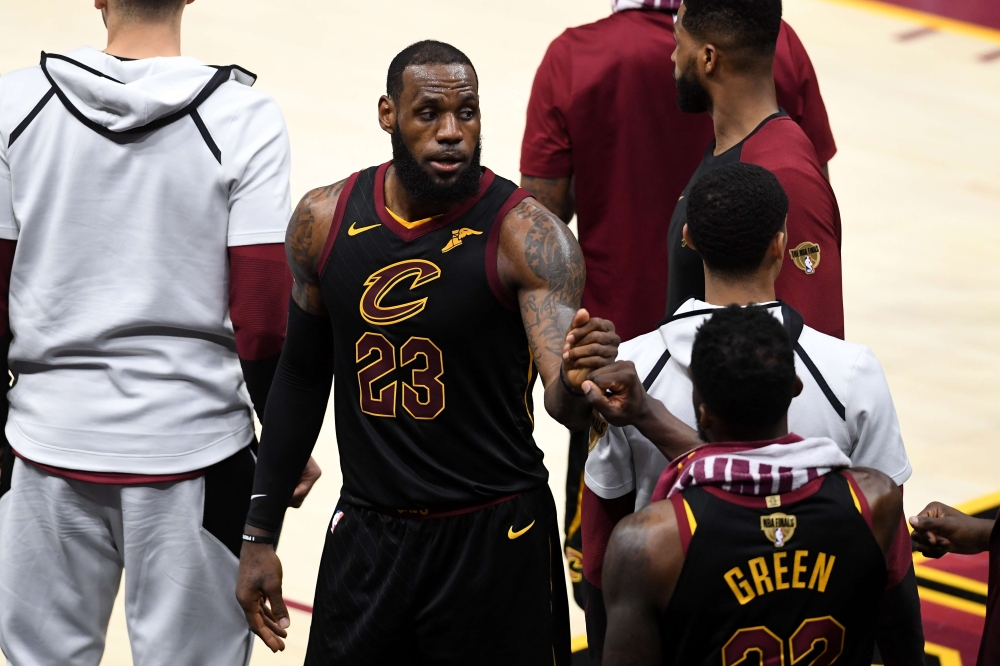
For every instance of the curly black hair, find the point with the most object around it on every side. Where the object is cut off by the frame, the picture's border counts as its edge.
(750, 26)
(743, 366)
(733, 214)
(427, 52)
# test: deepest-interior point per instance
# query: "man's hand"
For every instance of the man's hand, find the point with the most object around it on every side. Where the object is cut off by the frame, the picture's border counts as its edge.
(626, 402)
(590, 343)
(310, 475)
(940, 529)
(258, 589)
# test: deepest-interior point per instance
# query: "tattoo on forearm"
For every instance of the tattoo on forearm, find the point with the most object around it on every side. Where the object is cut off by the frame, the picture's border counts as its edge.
(555, 258)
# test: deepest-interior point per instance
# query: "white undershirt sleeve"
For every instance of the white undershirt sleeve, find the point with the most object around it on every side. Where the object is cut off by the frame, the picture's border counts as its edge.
(257, 161)
(871, 414)
(609, 472)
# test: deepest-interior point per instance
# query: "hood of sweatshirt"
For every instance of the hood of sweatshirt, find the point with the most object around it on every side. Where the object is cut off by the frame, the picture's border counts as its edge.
(679, 331)
(129, 96)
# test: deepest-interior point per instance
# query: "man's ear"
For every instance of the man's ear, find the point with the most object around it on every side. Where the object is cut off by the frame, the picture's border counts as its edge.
(797, 391)
(100, 4)
(387, 114)
(687, 237)
(709, 57)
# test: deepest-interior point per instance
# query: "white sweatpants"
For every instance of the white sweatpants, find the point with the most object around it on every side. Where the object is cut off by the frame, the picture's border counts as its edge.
(63, 545)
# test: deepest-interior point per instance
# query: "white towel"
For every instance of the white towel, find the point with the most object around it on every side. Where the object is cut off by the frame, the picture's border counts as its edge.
(662, 5)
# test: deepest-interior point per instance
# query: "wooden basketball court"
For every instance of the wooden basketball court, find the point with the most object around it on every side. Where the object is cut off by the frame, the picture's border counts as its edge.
(915, 106)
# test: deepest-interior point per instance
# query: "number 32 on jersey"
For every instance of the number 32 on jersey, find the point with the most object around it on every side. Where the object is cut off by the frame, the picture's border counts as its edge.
(422, 393)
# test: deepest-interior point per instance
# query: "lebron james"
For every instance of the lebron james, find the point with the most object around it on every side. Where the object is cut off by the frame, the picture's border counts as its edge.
(434, 291)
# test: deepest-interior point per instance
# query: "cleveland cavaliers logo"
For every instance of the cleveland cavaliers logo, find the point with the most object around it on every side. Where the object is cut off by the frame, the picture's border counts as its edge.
(778, 528)
(381, 282)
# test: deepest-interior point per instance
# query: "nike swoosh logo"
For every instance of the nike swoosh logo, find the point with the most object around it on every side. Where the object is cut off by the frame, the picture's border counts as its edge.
(354, 231)
(511, 534)
(253, 497)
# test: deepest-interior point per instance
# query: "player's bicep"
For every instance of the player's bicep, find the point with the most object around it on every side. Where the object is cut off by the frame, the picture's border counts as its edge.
(542, 262)
(305, 240)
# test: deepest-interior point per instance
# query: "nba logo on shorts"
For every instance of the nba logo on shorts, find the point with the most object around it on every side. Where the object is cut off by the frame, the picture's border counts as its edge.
(336, 519)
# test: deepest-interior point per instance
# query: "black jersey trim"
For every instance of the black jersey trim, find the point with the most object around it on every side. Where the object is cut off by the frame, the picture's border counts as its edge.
(31, 116)
(501, 292)
(338, 220)
(206, 135)
(818, 376)
(222, 75)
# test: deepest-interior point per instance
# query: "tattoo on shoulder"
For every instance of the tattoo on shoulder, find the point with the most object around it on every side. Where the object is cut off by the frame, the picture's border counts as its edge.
(302, 237)
(554, 257)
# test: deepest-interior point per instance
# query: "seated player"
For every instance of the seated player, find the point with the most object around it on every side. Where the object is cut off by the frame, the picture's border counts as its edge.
(940, 529)
(766, 543)
(736, 221)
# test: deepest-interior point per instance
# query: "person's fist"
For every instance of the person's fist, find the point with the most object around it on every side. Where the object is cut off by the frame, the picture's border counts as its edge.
(310, 475)
(616, 392)
(940, 529)
(590, 343)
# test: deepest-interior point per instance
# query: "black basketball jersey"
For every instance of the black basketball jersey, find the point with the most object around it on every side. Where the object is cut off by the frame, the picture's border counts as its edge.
(433, 372)
(775, 579)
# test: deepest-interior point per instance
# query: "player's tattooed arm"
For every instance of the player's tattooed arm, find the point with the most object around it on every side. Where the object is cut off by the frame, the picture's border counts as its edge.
(304, 241)
(641, 569)
(540, 261)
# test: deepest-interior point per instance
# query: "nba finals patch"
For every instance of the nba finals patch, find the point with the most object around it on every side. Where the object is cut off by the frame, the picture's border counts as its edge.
(806, 257)
(457, 236)
(336, 519)
(598, 426)
(778, 528)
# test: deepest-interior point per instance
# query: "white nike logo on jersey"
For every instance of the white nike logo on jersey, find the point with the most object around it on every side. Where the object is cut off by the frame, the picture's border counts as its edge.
(253, 497)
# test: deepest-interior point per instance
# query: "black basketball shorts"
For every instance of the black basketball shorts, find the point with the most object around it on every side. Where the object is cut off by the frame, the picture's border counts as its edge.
(484, 587)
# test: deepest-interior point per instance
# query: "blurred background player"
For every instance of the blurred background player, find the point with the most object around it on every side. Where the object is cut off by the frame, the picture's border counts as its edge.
(787, 548)
(724, 65)
(143, 197)
(736, 222)
(444, 547)
(941, 529)
(606, 141)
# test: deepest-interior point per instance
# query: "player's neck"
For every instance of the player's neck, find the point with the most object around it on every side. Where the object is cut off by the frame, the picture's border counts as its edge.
(402, 204)
(757, 288)
(137, 40)
(739, 106)
(719, 432)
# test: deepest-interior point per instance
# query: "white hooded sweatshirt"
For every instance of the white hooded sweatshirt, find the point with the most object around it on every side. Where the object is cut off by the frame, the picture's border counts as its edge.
(858, 414)
(123, 183)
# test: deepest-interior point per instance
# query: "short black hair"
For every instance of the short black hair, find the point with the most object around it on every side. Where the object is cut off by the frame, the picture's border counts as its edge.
(743, 366)
(733, 214)
(148, 9)
(750, 26)
(427, 52)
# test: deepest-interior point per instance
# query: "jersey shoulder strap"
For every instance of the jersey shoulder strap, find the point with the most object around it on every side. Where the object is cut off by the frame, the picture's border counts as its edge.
(794, 323)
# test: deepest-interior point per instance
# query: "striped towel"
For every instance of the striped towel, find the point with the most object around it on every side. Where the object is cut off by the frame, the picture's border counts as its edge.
(746, 469)
(662, 5)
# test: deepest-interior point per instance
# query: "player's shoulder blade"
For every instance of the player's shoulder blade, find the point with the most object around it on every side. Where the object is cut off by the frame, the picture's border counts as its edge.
(776, 573)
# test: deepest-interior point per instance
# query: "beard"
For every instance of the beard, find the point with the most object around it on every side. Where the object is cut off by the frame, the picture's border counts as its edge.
(421, 186)
(691, 94)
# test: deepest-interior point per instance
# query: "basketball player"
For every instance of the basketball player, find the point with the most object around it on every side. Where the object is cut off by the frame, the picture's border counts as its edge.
(766, 543)
(736, 221)
(602, 113)
(143, 197)
(724, 65)
(433, 290)
(940, 529)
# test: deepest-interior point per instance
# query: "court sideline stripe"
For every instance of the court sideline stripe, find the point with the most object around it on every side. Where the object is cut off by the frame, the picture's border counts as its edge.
(928, 20)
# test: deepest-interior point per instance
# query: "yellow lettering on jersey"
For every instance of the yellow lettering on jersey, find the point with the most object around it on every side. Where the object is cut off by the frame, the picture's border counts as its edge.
(766, 580)
(821, 571)
(780, 570)
(799, 568)
(758, 569)
(738, 584)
